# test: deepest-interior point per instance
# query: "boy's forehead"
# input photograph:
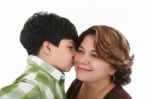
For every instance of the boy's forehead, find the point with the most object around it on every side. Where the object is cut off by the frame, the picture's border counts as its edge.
(69, 41)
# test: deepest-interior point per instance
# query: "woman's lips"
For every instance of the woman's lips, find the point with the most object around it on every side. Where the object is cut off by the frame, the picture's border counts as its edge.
(82, 69)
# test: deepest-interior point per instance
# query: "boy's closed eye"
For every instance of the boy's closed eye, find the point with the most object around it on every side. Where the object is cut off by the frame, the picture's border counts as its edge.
(71, 46)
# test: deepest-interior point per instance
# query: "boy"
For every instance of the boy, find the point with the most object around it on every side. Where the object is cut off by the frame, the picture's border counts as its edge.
(50, 43)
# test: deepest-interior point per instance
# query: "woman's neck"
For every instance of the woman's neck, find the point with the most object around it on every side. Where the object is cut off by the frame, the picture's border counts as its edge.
(89, 90)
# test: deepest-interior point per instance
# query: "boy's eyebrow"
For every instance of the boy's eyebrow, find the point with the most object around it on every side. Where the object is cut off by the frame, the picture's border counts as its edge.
(70, 41)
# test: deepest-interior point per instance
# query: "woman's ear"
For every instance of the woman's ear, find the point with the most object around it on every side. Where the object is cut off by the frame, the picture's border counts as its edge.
(47, 47)
(112, 71)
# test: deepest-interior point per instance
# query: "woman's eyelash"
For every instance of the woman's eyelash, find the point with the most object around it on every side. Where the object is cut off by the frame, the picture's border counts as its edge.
(94, 55)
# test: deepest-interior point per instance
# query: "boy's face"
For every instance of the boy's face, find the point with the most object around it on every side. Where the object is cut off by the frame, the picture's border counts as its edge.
(62, 57)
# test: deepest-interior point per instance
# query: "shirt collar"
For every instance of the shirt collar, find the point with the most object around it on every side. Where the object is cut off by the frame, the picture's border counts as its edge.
(51, 70)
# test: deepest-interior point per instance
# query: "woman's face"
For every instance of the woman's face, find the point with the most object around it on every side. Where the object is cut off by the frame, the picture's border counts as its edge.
(88, 65)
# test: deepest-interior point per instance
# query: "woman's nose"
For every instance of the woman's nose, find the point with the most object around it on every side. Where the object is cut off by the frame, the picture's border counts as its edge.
(84, 59)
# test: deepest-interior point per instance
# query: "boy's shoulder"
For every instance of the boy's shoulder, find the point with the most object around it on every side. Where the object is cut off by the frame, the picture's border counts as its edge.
(17, 90)
(28, 85)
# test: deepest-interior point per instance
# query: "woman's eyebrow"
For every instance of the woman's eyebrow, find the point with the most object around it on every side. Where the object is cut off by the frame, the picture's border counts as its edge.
(93, 51)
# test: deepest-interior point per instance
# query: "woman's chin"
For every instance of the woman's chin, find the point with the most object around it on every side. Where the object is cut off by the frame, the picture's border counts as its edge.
(80, 77)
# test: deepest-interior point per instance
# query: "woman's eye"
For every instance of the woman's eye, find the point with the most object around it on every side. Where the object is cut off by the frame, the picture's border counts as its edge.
(95, 55)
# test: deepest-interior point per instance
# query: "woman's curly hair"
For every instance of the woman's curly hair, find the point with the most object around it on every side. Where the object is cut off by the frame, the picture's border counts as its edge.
(113, 47)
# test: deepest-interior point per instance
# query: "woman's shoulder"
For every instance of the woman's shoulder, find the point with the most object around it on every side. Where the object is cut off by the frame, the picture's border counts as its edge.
(73, 89)
(118, 92)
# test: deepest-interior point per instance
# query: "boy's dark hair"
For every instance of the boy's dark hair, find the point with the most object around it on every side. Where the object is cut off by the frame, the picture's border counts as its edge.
(42, 27)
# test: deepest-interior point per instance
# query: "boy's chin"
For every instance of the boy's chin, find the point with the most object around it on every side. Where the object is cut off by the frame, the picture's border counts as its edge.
(67, 70)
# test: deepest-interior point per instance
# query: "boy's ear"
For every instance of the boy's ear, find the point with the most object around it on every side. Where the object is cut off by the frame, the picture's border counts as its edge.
(47, 47)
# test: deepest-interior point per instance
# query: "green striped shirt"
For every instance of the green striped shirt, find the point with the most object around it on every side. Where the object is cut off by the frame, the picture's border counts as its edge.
(39, 81)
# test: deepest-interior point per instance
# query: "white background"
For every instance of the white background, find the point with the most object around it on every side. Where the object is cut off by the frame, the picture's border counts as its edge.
(131, 17)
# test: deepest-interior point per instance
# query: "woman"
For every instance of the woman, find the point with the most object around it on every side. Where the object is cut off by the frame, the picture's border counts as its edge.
(102, 65)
